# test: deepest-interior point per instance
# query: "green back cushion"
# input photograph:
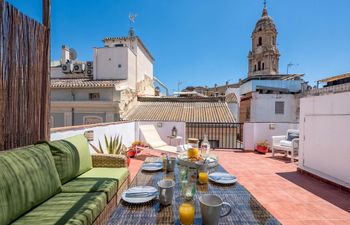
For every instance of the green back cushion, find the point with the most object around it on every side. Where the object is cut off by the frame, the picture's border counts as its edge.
(28, 177)
(72, 157)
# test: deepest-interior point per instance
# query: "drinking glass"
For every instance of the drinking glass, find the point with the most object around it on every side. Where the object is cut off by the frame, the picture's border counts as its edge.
(186, 212)
(188, 189)
(203, 174)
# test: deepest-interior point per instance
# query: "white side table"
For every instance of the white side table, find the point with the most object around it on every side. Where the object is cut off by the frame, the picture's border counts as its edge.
(176, 139)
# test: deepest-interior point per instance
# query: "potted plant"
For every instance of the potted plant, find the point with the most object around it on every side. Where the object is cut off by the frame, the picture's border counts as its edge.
(113, 145)
(135, 148)
(262, 146)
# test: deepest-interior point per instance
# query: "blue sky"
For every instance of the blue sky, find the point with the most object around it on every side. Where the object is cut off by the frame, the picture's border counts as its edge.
(203, 42)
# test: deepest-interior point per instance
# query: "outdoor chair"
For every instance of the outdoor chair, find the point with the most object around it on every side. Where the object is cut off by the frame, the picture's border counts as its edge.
(153, 139)
(288, 144)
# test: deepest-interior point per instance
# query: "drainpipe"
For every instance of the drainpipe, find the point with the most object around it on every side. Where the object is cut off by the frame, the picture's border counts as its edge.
(73, 98)
(161, 84)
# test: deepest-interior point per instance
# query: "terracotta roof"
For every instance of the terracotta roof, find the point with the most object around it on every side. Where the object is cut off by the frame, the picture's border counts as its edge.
(82, 83)
(212, 112)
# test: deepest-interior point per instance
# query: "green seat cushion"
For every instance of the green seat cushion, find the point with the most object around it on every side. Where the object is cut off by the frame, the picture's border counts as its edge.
(67, 208)
(120, 174)
(28, 177)
(72, 157)
(85, 185)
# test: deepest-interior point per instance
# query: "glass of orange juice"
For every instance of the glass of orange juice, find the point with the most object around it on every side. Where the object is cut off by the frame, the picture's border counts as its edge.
(203, 174)
(186, 212)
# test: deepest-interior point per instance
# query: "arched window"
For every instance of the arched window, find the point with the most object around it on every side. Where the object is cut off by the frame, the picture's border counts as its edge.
(255, 67)
(259, 65)
(263, 66)
(260, 41)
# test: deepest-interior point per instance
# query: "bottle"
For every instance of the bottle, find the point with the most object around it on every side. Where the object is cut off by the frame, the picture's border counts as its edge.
(205, 146)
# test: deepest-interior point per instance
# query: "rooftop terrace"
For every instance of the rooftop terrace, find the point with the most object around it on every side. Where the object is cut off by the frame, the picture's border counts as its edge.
(291, 197)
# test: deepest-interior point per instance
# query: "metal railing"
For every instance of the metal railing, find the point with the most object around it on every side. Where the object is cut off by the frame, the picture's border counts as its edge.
(328, 90)
(220, 135)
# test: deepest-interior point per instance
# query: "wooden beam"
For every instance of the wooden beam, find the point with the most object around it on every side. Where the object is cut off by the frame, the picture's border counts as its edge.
(46, 81)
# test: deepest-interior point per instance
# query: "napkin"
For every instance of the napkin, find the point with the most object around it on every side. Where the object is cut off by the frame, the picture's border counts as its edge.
(140, 192)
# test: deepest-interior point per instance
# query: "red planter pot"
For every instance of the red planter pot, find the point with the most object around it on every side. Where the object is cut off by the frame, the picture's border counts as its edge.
(262, 149)
(131, 153)
(128, 161)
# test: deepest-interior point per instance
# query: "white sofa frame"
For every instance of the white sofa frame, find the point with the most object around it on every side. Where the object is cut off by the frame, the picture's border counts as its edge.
(288, 151)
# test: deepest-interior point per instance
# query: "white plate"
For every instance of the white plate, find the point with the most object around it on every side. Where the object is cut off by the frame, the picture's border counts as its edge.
(212, 177)
(152, 166)
(139, 199)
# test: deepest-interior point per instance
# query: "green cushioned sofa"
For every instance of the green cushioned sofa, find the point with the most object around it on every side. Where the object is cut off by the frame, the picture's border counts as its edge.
(60, 182)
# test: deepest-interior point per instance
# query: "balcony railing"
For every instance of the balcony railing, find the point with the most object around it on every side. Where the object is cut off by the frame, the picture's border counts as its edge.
(329, 90)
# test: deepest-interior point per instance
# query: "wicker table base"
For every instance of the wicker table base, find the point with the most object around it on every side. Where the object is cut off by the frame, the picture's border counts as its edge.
(245, 208)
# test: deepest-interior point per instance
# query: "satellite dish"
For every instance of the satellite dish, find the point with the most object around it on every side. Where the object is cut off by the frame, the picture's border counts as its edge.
(72, 54)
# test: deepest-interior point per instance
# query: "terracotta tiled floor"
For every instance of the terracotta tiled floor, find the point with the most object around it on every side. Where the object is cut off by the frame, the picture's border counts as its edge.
(291, 197)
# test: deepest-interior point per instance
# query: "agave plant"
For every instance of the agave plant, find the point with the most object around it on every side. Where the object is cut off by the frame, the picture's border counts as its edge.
(114, 145)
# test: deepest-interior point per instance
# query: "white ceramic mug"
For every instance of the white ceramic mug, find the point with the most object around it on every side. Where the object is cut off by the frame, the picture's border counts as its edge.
(211, 209)
(166, 191)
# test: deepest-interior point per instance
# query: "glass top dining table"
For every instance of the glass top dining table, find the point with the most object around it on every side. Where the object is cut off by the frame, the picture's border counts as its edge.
(245, 208)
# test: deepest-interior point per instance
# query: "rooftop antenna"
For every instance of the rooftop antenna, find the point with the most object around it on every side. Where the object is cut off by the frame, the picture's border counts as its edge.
(289, 65)
(132, 17)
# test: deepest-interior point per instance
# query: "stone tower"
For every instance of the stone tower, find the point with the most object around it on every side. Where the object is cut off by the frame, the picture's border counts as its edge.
(264, 56)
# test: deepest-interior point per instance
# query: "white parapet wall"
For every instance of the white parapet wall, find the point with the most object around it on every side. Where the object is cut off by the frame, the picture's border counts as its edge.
(255, 132)
(127, 130)
(325, 137)
(164, 130)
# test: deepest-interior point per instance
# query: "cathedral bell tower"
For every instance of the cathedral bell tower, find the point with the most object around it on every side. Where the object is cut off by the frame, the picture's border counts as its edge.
(264, 56)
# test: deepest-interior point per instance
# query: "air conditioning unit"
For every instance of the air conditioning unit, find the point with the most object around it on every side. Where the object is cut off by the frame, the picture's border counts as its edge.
(67, 68)
(89, 68)
(79, 67)
(89, 72)
(89, 64)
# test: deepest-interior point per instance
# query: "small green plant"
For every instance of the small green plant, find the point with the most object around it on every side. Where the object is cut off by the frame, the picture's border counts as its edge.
(114, 145)
(263, 143)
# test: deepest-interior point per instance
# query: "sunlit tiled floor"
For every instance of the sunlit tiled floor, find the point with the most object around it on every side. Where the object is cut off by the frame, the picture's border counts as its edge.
(291, 197)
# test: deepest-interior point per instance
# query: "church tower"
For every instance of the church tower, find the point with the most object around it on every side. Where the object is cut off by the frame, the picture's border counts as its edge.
(264, 56)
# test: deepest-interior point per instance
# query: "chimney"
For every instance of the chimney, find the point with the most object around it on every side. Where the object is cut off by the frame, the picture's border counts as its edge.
(64, 54)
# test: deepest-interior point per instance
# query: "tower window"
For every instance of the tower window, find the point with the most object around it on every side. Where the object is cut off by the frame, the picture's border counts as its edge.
(260, 41)
(259, 65)
(255, 67)
(263, 66)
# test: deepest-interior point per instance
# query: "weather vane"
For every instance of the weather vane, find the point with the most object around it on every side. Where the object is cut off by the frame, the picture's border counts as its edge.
(132, 17)
(264, 3)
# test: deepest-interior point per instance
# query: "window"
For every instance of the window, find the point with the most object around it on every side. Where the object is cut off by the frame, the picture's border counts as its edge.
(263, 66)
(94, 96)
(119, 65)
(255, 67)
(259, 65)
(279, 107)
(118, 45)
(260, 41)
(92, 119)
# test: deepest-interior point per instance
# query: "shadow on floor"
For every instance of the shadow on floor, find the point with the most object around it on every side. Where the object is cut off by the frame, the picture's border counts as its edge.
(325, 191)
(280, 158)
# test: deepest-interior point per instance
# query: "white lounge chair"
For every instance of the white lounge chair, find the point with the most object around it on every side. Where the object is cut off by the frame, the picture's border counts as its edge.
(153, 139)
(288, 144)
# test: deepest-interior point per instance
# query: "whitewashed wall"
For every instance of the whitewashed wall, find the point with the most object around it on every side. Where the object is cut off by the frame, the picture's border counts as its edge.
(255, 132)
(164, 129)
(263, 108)
(144, 65)
(127, 130)
(325, 146)
(106, 61)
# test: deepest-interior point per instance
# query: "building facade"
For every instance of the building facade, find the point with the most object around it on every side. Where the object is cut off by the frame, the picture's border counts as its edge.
(104, 89)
